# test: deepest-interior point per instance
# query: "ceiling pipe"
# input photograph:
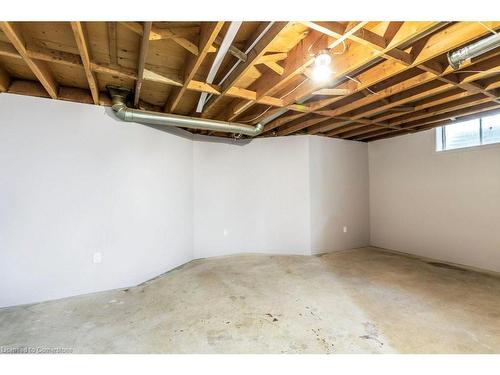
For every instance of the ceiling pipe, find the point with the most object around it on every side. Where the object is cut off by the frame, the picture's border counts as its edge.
(221, 53)
(119, 100)
(458, 57)
(204, 96)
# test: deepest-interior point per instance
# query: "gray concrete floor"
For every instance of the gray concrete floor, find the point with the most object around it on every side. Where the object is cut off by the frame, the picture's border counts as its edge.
(357, 301)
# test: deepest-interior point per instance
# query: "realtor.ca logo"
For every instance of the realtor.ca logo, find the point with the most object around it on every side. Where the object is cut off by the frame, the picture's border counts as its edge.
(33, 350)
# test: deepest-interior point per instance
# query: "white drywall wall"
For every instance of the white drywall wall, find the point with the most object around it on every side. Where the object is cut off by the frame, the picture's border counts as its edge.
(251, 197)
(74, 181)
(339, 194)
(442, 205)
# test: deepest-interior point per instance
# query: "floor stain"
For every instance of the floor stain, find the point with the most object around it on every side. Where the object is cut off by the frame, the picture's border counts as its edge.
(357, 301)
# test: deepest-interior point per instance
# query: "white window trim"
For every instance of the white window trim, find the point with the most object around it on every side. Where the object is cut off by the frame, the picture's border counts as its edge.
(461, 149)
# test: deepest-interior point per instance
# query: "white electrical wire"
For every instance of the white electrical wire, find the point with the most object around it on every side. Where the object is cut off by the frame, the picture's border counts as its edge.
(300, 84)
(268, 108)
(358, 81)
(477, 71)
(305, 80)
(487, 27)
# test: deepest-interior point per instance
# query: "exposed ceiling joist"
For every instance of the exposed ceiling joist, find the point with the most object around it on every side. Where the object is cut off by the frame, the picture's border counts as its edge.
(254, 55)
(298, 59)
(208, 33)
(39, 69)
(83, 46)
(4, 80)
(160, 34)
(388, 78)
(473, 30)
(112, 42)
(358, 56)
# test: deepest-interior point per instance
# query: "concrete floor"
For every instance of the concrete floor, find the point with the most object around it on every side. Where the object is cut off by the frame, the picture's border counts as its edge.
(357, 301)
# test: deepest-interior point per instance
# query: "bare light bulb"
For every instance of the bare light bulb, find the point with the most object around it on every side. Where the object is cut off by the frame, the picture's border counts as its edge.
(322, 71)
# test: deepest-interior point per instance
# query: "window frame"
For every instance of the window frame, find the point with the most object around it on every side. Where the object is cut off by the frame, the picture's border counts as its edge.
(442, 130)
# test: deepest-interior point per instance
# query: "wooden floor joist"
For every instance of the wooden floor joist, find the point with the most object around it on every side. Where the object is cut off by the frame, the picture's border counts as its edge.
(83, 47)
(4, 80)
(388, 78)
(208, 34)
(39, 69)
(259, 50)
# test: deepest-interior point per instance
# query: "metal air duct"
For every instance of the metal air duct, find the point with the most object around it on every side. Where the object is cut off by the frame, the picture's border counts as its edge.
(119, 100)
(456, 58)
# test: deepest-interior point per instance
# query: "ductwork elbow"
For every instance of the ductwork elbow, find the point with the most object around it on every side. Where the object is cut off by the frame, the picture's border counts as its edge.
(259, 128)
(120, 111)
(119, 97)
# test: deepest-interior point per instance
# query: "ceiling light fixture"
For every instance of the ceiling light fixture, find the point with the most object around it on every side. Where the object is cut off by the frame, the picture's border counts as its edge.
(322, 70)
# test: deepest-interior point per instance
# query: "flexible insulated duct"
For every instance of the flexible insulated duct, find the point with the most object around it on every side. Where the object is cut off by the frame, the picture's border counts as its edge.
(456, 58)
(119, 100)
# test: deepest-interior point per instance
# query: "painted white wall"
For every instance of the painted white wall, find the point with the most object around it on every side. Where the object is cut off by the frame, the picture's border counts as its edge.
(339, 194)
(74, 181)
(251, 197)
(442, 205)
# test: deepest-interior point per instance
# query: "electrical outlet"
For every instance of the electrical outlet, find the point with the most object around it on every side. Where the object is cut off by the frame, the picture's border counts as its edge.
(97, 258)
(345, 229)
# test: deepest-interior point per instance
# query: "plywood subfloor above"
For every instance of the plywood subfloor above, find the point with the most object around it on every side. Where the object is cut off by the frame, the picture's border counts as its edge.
(388, 78)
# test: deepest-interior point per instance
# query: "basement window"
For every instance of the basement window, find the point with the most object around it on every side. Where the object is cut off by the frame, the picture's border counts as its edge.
(477, 132)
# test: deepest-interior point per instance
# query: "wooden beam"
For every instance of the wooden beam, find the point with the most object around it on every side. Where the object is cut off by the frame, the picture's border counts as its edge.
(30, 88)
(492, 110)
(437, 104)
(73, 94)
(112, 43)
(446, 96)
(236, 52)
(358, 56)
(142, 61)
(7, 49)
(151, 74)
(83, 47)
(273, 57)
(275, 67)
(39, 69)
(4, 80)
(302, 125)
(160, 77)
(410, 83)
(208, 34)
(334, 124)
(135, 27)
(432, 89)
(299, 58)
(254, 55)
(203, 87)
(337, 132)
(156, 33)
(333, 92)
(55, 56)
(471, 30)
(364, 37)
(461, 111)
(442, 108)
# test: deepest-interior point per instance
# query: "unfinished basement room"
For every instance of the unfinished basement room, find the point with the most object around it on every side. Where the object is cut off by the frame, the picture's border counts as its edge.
(239, 187)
